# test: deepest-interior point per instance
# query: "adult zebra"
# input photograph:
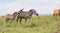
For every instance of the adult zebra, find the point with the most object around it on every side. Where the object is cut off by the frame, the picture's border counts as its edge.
(26, 15)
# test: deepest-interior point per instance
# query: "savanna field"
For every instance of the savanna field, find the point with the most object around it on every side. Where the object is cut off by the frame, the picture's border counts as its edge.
(38, 24)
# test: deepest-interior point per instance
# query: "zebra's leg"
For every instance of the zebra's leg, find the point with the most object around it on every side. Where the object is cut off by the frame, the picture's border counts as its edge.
(6, 20)
(17, 19)
(30, 18)
(25, 20)
(12, 20)
(20, 19)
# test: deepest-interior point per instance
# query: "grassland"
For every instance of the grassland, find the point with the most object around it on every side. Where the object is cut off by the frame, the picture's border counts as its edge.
(38, 24)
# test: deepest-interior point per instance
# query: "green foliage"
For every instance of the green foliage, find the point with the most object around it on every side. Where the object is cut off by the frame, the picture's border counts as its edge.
(38, 24)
